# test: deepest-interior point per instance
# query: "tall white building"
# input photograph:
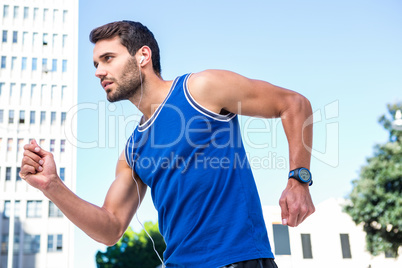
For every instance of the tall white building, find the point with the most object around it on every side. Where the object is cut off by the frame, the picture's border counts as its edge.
(38, 90)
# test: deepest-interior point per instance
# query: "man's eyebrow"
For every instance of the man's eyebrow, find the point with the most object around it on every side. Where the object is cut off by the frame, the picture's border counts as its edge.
(106, 54)
(102, 56)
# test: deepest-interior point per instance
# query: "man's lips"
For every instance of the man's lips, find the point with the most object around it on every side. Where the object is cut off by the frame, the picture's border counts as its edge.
(105, 84)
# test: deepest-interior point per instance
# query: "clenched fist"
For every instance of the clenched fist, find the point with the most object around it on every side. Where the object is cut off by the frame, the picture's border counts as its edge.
(38, 167)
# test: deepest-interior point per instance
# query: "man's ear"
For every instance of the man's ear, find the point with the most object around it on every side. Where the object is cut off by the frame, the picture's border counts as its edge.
(143, 56)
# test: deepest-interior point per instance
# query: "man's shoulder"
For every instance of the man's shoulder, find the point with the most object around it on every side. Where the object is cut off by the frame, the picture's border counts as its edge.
(207, 87)
(210, 75)
(208, 81)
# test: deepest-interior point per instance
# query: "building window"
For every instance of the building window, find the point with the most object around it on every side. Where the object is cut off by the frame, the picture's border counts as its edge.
(24, 37)
(63, 89)
(22, 117)
(34, 209)
(5, 11)
(52, 118)
(64, 41)
(59, 245)
(55, 14)
(24, 63)
(9, 144)
(31, 244)
(54, 243)
(62, 146)
(8, 173)
(3, 62)
(4, 36)
(4, 244)
(34, 39)
(17, 174)
(54, 211)
(42, 90)
(17, 209)
(16, 10)
(52, 143)
(16, 249)
(306, 245)
(62, 173)
(53, 90)
(13, 61)
(35, 13)
(54, 65)
(44, 65)
(15, 37)
(346, 253)
(64, 66)
(281, 239)
(12, 86)
(45, 41)
(11, 117)
(54, 41)
(45, 14)
(65, 13)
(50, 243)
(42, 143)
(34, 64)
(22, 90)
(42, 117)
(63, 118)
(7, 209)
(20, 144)
(26, 12)
(33, 86)
(32, 118)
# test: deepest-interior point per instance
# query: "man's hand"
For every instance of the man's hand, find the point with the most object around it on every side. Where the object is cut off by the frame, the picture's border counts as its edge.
(296, 203)
(38, 167)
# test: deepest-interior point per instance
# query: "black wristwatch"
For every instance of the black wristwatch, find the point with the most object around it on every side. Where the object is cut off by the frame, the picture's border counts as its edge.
(303, 175)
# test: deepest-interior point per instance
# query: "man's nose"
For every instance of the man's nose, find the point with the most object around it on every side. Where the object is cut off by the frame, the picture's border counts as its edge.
(100, 72)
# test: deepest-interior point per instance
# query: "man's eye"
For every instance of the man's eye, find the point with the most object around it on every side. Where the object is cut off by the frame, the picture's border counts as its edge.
(107, 58)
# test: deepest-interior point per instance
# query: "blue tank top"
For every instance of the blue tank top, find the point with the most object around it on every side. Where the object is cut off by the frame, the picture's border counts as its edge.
(201, 183)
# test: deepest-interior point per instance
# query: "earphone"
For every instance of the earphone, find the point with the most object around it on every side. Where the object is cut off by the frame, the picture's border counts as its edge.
(142, 59)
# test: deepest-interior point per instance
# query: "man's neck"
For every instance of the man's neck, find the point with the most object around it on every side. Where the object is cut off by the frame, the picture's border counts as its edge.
(152, 93)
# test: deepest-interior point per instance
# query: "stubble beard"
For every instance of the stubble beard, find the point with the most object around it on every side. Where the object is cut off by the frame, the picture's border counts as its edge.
(128, 84)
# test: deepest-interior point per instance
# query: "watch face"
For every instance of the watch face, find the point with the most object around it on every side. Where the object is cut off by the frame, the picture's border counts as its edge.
(304, 175)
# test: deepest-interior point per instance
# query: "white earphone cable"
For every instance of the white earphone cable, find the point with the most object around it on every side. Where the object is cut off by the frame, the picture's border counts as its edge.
(136, 183)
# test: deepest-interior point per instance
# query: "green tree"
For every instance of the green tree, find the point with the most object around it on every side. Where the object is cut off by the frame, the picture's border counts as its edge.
(133, 250)
(376, 200)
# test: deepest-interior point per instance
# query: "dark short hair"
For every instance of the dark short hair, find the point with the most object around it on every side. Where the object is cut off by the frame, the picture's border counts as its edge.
(133, 35)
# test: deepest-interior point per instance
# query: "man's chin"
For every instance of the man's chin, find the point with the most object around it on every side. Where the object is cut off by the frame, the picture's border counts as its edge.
(117, 95)
(112, 98)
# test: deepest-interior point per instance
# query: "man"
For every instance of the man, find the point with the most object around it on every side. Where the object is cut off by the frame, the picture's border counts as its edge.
(188, 150)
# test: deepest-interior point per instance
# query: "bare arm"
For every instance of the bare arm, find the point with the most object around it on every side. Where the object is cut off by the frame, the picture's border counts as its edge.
(217, 90)
(105, 224)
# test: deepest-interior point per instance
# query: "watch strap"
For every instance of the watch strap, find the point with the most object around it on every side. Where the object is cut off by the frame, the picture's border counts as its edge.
(295, 173)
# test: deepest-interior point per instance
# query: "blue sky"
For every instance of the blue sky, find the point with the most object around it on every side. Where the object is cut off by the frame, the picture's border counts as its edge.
(344, 56)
